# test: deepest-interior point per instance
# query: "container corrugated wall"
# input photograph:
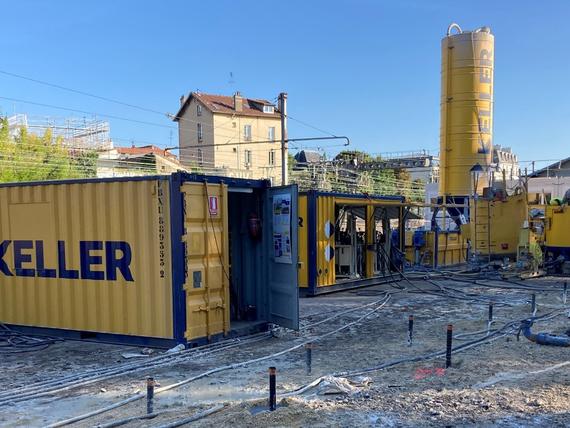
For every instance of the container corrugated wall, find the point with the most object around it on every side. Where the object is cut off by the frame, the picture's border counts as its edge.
(325, 265)
(208, 279)
(53, 233)
(303, 242)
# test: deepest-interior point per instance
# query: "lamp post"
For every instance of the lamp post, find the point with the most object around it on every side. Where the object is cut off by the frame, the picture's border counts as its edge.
(475, 171)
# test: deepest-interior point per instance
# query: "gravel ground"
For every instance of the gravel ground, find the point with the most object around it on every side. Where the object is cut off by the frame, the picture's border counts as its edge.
(506, 383)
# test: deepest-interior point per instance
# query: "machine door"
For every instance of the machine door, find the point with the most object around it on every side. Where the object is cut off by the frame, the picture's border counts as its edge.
(280, 236)
(207, 270)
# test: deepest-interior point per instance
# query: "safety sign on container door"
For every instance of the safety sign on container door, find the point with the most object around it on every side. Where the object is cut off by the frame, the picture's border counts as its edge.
(213, 205)
(282, 228)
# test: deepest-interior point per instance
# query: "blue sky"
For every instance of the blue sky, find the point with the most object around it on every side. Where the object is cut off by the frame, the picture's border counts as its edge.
(366, 69)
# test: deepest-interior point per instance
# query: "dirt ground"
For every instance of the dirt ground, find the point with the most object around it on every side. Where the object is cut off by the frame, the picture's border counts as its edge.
(505, 382)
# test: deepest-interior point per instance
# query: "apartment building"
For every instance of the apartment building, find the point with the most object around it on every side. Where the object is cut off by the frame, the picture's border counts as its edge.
(230, 135)
(134, 161)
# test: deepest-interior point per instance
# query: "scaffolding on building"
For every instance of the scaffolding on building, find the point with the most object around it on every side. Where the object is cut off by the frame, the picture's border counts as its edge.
(74, 132)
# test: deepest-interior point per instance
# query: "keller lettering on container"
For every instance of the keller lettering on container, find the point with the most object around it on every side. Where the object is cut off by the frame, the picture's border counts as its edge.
(98, 260)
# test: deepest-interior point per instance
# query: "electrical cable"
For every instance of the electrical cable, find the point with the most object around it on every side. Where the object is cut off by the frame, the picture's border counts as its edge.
(140, 396)
(88, 377)
(13, 342)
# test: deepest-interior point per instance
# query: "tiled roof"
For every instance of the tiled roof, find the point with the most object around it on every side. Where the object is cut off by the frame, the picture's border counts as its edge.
(225, 104)
(145, 150)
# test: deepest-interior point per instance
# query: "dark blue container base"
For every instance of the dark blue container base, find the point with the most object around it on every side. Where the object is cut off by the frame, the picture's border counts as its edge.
(349, 285)
(558, 251)
(238, 329)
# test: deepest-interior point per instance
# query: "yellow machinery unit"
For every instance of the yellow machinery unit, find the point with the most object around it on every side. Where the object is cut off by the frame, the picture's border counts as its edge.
(148, 260)
(557, 231)
(466, 109)
(496, 224)
(448, 248)
(345, 240)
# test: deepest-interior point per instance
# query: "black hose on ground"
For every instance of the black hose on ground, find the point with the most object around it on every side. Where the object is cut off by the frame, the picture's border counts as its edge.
(13, 342)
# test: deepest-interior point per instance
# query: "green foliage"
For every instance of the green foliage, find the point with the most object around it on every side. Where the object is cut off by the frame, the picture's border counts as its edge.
(351, 179)
(291, 162)
(348, 155)
(29, 157)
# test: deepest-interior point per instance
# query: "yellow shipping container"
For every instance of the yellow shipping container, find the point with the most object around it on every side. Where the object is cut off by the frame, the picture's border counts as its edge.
(147, 259)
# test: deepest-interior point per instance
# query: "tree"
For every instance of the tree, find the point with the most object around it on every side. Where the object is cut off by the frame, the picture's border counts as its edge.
(349, 155)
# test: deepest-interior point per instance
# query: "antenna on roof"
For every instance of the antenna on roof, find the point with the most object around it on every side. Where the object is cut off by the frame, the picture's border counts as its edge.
(231, 82)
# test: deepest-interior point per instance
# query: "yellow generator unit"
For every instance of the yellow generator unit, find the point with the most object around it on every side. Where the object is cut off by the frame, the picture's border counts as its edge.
(466, 109)
(557, 231)
(436, 249)
(495, 226)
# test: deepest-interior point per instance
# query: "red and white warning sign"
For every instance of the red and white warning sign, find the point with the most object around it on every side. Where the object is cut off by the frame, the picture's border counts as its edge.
(213, 205)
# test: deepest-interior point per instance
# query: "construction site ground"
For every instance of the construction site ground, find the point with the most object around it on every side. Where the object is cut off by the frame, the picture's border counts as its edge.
(504, 382)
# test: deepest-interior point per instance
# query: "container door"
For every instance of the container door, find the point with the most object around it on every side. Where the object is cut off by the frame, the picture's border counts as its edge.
(281, 225)
(207, 270)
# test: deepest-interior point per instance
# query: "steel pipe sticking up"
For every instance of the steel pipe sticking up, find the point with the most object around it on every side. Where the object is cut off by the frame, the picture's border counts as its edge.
(449, 344)
(150, 383)
(309, 357)
(272, 388)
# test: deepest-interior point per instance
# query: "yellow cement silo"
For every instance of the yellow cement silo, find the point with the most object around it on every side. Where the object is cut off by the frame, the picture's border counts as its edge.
(466, 109)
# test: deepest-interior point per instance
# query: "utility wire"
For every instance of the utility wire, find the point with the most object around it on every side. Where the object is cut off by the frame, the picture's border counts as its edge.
(87, 112)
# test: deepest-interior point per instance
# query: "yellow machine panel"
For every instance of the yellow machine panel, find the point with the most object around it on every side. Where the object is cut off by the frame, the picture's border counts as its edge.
(466, 109)
(326, 259)
(207, 279)
(557, 230)
(87, 256)
(325, 241)
(452, 248)
(496, 225)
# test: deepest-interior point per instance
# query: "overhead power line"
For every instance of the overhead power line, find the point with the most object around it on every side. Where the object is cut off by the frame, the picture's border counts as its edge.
(126, 104)
(87, 112)
(76, 91)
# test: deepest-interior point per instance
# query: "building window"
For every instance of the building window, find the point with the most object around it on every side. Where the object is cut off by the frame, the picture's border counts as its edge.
(200, 132)
(247, 132)
(200, 157)
(247, 157)
(271, 157)
(271, 133)
(268, 109)
(198, 110)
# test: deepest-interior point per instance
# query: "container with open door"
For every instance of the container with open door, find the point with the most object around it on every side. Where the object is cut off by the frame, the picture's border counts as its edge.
(240, 247)
(154, 260)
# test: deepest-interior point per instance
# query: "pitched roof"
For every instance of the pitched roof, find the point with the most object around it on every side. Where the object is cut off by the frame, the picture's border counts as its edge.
(550, 168)
(225, 104)
(308, 156)
(145, 150)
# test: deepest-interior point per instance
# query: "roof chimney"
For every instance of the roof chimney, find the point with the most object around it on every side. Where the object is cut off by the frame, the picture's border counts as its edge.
(182, 99)
(238, 102)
